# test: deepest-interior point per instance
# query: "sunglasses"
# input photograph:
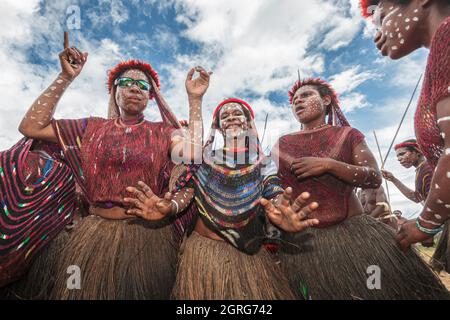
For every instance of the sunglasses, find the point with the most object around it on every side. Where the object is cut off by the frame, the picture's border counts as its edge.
(128, 82)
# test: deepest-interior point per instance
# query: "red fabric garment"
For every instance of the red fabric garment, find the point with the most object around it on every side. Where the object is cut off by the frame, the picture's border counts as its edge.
(331, 193)
(424, 175)
(112, 157)
(435, 88)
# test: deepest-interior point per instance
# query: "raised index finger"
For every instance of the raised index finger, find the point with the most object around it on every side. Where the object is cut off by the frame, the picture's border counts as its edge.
(66, 39)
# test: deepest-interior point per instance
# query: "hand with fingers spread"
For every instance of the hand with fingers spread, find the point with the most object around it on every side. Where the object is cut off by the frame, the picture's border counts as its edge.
(146, 205)
(72, 60)
(306, 167)
(197, 87)
(291, 217)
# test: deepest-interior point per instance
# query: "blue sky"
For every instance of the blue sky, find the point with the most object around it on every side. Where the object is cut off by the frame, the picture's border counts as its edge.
(254, 48)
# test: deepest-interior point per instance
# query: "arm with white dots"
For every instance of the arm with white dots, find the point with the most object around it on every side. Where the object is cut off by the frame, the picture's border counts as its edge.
(437, 206)
(36, 122)
(407, 192)
(195, 88)
(363, 172)
(181, 200)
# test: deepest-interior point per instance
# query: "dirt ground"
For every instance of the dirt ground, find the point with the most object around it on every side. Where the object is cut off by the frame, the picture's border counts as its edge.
(426, 254)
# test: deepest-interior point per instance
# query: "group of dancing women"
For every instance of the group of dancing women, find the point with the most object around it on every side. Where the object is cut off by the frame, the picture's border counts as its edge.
(105, 200)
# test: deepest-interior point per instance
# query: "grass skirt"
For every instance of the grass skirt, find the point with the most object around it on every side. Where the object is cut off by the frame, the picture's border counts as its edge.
(211, 269)
(118, 259)
(37, 283)
(332, 263)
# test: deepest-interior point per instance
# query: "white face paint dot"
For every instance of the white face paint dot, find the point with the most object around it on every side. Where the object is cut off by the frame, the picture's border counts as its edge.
(397, 30)
(402, 41)
(436, 186)
(399, 35)
(437, 216)
(407, 27)
(399, 15)
(407, 20)
(415, 19)
(416, 10)
(391, 35)
(59, 81)
(448, 174)
(439, 201)
(394, 48)
(447, 206)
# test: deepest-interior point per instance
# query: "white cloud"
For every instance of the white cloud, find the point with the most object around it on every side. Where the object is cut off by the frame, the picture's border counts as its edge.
(22, 81)
(352, 101)
(343, 27)
(350, 79)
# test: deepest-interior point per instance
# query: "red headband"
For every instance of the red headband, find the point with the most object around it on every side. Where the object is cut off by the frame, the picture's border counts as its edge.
(231, 100)
(114, 73)
(365, 4)
(407, 144)
(312, 81)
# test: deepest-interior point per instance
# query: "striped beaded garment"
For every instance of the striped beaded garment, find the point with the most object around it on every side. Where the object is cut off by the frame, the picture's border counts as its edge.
(30, 182)
(227, 193)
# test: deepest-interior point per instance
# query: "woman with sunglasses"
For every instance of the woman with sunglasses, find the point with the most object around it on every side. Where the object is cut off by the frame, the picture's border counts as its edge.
(114, 255)
(405, 26)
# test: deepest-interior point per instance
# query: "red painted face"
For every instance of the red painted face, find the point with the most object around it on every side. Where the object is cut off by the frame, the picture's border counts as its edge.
(307, 104)
(399, 27)
(132, 100)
